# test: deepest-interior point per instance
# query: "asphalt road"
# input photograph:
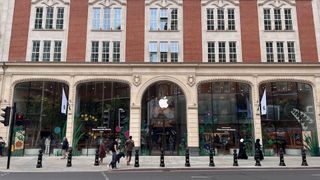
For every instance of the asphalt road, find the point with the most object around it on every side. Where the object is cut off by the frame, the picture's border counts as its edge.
(234, 174)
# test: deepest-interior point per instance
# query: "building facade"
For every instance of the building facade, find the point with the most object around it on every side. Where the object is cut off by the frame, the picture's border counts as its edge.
(212, 61)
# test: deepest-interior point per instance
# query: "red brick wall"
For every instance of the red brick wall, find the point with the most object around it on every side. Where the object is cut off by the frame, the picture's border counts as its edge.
(250, 31)
(192, 35)
(135, 31)
(77, 35)
(307, 37)
(20, 30)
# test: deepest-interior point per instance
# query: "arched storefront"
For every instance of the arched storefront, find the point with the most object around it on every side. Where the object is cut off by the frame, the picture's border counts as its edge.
(163, 119)
(38, 116)
(102, 113)
(225, 116)
(289, 121)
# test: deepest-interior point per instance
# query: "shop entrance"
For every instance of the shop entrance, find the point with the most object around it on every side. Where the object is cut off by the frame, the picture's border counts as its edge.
(163, 125)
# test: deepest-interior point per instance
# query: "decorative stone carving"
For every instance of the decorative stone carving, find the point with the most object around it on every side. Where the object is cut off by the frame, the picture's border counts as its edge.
(108, 3)
(137, 80)
(220, 3)
(51, 2)
(276, 3)
(191, 80)
(164, 3)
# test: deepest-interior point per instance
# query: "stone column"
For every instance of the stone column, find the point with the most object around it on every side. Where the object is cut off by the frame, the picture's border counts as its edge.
(71, 113)
(256, 111)
(135, 124)
(193, 129)
(317, 104)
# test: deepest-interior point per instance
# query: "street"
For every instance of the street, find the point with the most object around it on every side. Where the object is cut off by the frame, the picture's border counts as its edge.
(219, 174)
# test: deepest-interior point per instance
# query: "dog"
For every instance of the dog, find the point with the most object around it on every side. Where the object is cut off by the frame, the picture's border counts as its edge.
(118, 157)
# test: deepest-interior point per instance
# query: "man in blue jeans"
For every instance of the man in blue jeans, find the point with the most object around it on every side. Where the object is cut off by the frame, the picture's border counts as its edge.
(114, 149)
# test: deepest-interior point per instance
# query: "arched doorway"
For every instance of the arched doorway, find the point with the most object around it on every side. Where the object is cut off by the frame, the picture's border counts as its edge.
(163, 122)
(225, 116)
(288, 121)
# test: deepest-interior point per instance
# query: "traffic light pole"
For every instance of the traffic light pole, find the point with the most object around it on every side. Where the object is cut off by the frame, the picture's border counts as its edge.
(12, 118)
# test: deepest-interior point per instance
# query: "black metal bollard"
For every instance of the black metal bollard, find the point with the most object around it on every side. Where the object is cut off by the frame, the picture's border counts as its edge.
(257, 158)
(187, 164)
(304, 158)
(162, 159)
(69, 163)
(136, 159)
(281, 158)
(39, 162)
(211, 164)
(235, 158)
(96, 158)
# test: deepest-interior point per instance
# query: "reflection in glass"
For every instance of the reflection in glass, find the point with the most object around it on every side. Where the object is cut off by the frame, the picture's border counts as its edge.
(40, 104)
(225, 116)
(163, 128)
(290, 120)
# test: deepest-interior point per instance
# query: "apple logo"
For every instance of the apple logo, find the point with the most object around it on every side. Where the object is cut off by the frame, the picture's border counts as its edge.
(163, 103)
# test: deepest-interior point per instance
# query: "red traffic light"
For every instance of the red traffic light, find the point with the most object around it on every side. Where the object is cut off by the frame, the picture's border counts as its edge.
(19, 116)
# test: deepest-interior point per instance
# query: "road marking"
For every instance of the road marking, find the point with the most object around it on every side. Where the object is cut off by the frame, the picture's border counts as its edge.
(105, 176)
(318, 175)
(4, 174)
(199, 177)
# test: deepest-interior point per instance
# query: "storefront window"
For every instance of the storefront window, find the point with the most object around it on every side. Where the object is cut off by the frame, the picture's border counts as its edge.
(163, 124)
(289, 122)
(38, 116)
(225, 116)
(102, 113)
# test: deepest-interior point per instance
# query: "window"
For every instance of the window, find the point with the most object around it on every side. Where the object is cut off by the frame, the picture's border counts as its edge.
(116, 51)
(60, 16)
(277, 19)
(57, 51)
(220, 19)
(232, 52)
(105, 51)
(106, 19)
(49, 18)
(163, 52)
(35, 51)
(174, 50)
(167, 20)
(174, 19)
(210, 19)
(231, 20)
(222, 52)
(46, 51)
(153, 19)
(269, 50)
(38, 21)
(153, 52)
(211, 52)
(96, 19)
(280, 52)
(95, 51)
(117, 18)
(288, 19)
(291, 52)
(267, 19)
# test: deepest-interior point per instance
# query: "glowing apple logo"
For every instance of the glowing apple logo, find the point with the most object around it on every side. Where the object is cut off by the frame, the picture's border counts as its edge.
(163, 103)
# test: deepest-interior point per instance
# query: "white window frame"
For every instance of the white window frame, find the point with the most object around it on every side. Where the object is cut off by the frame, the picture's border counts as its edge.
(100, 53)
(155, 22)
(45, 52)
(106, 22)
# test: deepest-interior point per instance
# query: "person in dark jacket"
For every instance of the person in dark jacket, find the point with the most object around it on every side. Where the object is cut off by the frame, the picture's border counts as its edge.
(102, 151)
(65, 147)
(242, 150)
(129, 147)
(258, 148)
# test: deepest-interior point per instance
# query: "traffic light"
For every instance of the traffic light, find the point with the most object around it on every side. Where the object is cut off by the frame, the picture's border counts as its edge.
(122, 116)
(106, 118)
(5, 113)
(19, 119)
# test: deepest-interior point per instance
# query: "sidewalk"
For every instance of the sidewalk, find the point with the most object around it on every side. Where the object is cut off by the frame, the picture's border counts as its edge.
(85, 163)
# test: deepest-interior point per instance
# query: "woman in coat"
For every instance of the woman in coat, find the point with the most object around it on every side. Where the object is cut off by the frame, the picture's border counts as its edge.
(102, 151)
(242, 150)
(258, 148)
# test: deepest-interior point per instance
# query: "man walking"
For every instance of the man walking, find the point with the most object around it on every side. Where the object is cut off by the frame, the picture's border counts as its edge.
(129, 146)
(114, 149)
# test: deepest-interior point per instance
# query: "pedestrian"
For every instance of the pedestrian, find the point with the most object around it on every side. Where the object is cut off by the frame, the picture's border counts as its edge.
(47, 145)
(2, 145)
(114, 150)
(242, 150)
(102, 151)
(129, 147)
(65, 147)
(171, 144)
(258, 148)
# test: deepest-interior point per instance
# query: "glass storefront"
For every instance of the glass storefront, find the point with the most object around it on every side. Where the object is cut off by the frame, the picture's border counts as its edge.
(163, 120)
(225, 116)
(102, 113)
(289, 122)
(38, 116)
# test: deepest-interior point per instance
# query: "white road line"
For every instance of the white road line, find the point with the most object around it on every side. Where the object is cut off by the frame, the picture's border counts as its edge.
(105, 176)
(199, 177)
(318, 175)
